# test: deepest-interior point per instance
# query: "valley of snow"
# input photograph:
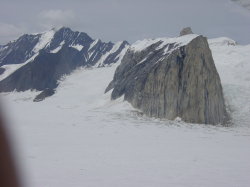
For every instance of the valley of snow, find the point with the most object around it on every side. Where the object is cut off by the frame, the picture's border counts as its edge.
(78, 137)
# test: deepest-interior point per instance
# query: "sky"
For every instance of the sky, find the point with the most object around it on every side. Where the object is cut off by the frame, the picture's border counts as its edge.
(131, 20)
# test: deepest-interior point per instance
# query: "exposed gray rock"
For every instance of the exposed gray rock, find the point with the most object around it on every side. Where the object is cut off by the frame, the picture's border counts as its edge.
(182, 82)
(186, 31)
(45, 93)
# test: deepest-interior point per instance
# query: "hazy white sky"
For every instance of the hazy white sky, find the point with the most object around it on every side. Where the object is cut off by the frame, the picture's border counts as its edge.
(125, 20)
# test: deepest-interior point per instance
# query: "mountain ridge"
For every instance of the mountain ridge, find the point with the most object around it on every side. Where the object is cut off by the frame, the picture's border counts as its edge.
(20, 59)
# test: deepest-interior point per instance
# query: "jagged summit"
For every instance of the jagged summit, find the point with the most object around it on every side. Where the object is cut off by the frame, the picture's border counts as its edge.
(70, 37)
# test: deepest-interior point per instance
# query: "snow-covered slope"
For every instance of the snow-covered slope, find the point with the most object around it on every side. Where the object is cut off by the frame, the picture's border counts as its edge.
(233, 64)
(168, 44)
(78, 137)
(141, 45)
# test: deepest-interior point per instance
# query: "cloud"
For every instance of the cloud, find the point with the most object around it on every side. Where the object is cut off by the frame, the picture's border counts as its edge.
(9, 31)
(56, 18)
(244, 3)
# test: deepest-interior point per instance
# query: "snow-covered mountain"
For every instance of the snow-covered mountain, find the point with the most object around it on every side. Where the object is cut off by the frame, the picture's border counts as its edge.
(38, 61)
(80, 134)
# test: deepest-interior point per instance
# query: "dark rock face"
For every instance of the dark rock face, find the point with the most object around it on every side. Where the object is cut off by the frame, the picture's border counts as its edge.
(180, 83)
(45, 93)
(2, 70)
(44, 71)
(18, 51)
(51, 55)
(185, 31)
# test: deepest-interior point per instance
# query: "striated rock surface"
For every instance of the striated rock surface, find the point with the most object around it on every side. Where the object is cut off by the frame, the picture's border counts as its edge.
(169, 78)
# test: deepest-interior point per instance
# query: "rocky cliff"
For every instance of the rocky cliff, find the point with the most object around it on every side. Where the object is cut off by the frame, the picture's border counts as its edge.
(171, 77)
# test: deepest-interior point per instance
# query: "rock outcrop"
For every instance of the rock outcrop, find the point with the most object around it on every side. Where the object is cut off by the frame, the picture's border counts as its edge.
(186, 31)
(169, 78)
(45, 93)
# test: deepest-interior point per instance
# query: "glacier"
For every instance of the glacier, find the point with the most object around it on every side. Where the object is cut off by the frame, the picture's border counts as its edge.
(78, 137)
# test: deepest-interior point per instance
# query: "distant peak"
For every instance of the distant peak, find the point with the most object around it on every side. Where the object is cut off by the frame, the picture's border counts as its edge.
(186, 31)
(222, 41)
(64, 28)
(125, 42)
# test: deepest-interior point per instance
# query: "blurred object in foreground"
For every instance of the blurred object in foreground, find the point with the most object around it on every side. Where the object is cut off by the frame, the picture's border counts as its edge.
(8, 171)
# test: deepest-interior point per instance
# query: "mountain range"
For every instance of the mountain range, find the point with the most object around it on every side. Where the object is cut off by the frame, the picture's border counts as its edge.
(38, 61)
(162, 77)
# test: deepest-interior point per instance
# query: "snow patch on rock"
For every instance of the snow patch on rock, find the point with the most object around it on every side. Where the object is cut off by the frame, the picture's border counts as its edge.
(44, 40)
(141, 45)
(77, 47)
(113, 50)
(58, 48)
(11, 68)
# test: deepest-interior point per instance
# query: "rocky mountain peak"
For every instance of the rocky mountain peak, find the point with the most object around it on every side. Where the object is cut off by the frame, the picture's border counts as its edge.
(67, 34)
(186, 31)
(172, 78)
